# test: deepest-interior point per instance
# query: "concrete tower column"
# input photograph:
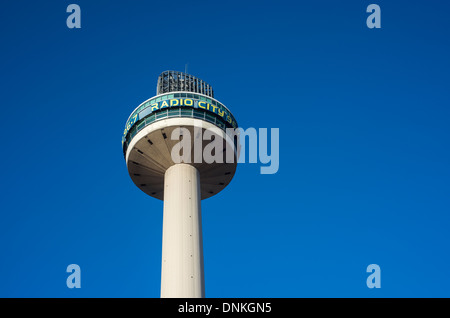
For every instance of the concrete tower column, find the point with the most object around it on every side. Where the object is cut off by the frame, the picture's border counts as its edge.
(182, 251)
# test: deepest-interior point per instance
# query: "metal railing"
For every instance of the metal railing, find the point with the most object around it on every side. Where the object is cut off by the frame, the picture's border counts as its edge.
(185, 112)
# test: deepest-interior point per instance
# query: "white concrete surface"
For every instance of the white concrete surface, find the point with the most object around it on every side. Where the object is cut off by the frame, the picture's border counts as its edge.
(149, 156)
(182, 251)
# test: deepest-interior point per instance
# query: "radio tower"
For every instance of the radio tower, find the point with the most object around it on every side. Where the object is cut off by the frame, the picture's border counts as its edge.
(184, 105)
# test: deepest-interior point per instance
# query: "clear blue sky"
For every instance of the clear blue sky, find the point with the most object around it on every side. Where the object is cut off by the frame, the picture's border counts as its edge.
(364, 151)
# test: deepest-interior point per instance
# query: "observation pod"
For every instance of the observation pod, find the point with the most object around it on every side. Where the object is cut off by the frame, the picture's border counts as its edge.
(181, 147)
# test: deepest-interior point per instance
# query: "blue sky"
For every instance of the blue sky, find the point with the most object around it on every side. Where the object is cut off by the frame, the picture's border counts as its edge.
(364, 146)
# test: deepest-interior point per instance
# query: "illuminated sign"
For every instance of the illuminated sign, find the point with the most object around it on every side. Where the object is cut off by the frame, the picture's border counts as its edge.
(130, 123)
(179, 102)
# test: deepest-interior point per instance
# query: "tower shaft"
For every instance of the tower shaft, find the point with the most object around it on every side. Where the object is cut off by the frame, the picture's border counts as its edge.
(182, 251)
